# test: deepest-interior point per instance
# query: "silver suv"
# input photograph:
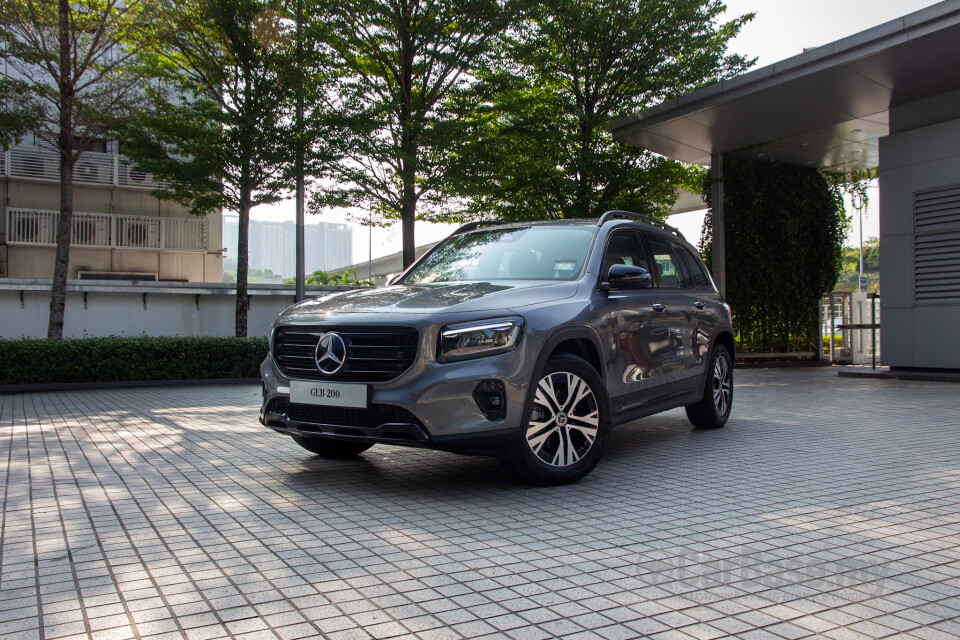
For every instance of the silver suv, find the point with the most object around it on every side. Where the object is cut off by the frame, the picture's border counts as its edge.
(526, 341)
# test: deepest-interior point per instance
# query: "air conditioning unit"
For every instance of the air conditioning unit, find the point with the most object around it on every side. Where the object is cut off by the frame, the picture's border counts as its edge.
(33, 165)
(134, 176)
(90, 232)
(89, 172)
(26, 229)
(139, 234)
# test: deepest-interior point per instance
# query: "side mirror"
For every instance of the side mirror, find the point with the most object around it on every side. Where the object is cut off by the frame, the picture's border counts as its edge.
(627, 276)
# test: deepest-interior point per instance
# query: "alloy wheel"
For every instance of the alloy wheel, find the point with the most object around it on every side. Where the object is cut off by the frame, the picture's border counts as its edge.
(564, 421)
(722, 385)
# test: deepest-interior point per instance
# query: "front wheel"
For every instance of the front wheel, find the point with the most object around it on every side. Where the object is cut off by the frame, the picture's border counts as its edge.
(330, 448)
(714, 407)
(567, 426)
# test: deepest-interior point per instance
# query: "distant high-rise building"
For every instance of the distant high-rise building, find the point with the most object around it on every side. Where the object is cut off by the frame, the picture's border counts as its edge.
(327, 245)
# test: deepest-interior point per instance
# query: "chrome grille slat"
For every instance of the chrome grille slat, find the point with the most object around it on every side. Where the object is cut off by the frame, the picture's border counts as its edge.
(379, 353)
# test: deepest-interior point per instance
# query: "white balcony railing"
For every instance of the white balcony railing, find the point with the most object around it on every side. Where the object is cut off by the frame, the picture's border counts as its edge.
(93, 168)
(39, 228)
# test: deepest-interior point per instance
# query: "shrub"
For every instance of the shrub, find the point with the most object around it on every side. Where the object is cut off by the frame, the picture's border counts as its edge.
(33, 361)
(784, 230)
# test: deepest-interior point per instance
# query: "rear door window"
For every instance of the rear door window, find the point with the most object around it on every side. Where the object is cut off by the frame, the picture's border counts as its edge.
(672, 273)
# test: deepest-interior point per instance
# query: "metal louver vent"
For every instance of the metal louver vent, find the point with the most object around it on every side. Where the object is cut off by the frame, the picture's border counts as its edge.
(936, 254)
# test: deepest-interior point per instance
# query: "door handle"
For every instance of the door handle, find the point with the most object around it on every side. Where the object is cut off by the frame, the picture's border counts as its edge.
(699, 304)
(659, 306)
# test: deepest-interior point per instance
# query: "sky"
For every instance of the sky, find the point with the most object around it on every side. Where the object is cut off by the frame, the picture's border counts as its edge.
(781, 29)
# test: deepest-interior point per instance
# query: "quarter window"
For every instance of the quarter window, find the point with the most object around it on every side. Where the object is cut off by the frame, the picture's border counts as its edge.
(696, 268)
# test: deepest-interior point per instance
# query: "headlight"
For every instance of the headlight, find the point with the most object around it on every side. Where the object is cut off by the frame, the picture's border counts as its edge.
(480, 338)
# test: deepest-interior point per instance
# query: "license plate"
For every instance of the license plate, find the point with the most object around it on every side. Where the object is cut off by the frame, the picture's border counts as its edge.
(328, 394)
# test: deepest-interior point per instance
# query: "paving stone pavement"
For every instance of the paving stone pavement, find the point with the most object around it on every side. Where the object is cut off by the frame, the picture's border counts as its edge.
(828, 507)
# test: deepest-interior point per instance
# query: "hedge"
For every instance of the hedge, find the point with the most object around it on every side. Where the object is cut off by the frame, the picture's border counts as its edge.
(32, 361)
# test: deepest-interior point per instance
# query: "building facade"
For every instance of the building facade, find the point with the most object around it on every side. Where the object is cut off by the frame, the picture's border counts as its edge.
(120, 230)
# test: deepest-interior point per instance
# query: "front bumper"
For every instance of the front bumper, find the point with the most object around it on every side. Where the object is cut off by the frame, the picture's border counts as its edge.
(400, 434)
(430, 405)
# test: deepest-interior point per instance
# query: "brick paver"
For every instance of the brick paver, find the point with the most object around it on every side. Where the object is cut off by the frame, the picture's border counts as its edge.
(828, 507)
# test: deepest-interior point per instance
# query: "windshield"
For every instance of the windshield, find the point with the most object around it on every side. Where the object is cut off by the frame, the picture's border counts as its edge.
(524, 253)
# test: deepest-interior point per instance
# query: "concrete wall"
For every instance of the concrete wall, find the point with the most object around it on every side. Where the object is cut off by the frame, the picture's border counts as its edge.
(156, 309)
(914, 159)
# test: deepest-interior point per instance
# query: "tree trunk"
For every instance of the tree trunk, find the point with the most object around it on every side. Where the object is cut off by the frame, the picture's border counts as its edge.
(408, 218)
(58, 297)
(58, 294)
(243, 258)
(408, 141)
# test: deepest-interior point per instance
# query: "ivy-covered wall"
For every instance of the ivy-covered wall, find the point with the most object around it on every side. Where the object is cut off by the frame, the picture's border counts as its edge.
(784, 236)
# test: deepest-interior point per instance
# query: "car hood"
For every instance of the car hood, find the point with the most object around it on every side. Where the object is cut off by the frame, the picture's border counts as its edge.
(426, 299)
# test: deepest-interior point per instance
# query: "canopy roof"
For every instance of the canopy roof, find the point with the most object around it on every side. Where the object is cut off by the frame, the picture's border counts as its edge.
(827, 107)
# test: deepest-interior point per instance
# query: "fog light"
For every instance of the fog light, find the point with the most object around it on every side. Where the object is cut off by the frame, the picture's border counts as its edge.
(490, 396)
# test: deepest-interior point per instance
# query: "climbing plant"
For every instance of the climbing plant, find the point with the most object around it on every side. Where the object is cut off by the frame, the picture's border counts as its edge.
(784, 235)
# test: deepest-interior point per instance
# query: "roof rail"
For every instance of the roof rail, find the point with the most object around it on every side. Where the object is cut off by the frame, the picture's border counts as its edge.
(616, 213)
(470, 226)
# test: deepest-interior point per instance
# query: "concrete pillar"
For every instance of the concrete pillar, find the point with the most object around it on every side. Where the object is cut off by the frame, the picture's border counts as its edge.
(719, 240)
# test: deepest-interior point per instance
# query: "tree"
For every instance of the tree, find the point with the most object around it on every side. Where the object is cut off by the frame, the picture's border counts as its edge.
(16, 119)
(849, 279)
(75, 75)
(402, 59)
(533, 143)
(229, 143)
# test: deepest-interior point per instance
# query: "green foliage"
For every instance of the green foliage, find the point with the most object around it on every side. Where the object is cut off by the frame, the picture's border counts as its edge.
(227, 146)
(850, 267)
(232, 143)
(72, 74)
(253, 275)
(130, 358)
(400, 60)
(16, 117)
(346, 278)
(94, 90)
(784, 233)
(532, 140)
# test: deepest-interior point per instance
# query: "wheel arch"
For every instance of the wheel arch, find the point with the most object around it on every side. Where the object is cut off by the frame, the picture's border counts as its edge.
(581, 346)
(726, 339)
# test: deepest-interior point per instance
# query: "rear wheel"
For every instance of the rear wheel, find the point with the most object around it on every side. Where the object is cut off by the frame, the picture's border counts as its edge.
(714, 408)
(567, 427)
(329, 448)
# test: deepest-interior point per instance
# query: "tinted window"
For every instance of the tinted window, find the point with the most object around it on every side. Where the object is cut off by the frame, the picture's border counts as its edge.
(696, 268)
(671, 271)
(524, 253)
(624, 247)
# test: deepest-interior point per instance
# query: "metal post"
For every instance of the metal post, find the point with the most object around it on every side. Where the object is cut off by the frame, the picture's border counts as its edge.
(719, 235)
(370, 250)
(820, 330)
(301, 261)
(873, 330)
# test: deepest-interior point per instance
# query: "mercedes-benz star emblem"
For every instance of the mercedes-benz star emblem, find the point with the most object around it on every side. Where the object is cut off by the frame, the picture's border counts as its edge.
(331, 353)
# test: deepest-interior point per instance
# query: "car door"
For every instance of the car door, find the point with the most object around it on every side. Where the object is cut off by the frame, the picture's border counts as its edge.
(638, 336)
(672, 280)
(706, 306)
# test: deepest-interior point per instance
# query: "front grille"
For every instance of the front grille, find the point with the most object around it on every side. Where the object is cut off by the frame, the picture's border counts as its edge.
(374, 354)
(370, 418)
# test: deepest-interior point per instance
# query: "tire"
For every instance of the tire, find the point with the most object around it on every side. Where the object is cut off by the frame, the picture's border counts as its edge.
(714, 407)
(563, 435)
(330, 448)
